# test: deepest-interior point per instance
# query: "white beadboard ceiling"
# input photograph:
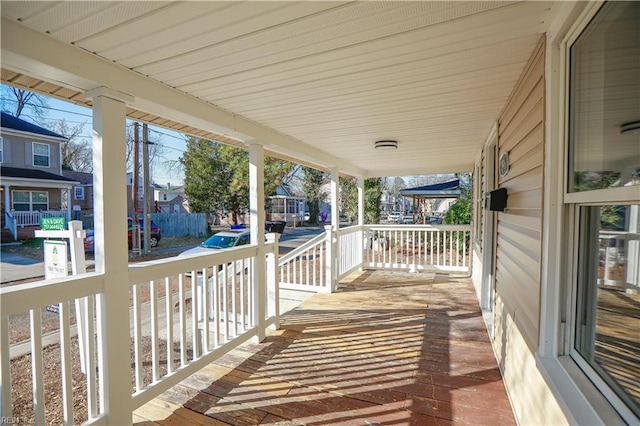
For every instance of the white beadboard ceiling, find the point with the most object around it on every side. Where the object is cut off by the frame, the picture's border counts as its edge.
(329, 75)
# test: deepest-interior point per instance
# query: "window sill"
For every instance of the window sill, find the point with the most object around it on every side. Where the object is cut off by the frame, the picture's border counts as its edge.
(581, 402)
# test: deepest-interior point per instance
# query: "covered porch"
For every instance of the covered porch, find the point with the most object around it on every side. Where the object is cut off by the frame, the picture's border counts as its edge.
(444, 87)
(385, 348)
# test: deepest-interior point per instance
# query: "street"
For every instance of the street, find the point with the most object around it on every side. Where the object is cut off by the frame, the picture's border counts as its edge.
(15, 268)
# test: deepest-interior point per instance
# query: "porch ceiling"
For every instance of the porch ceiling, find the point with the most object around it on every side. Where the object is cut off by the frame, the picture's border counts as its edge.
(318, 81)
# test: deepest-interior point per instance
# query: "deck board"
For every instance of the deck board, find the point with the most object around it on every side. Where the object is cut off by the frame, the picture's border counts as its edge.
(387, 348)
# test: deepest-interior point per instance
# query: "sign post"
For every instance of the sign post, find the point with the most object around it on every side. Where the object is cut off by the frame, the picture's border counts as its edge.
(54, 227)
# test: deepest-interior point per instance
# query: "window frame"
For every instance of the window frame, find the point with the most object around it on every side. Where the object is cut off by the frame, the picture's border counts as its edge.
(30, 203)
(75, 193)
(33, 154)
(571, 204)
(1, 150)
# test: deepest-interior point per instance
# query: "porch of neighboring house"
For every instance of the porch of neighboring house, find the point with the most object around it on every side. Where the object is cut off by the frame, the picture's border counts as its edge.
(30, 195)
(386, 348)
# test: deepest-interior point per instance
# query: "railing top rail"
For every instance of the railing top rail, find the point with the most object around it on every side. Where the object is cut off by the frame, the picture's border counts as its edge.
(402, 227)
(618, 234)
(349, 229)
(318, 239)
(22, 297)
(161, 268)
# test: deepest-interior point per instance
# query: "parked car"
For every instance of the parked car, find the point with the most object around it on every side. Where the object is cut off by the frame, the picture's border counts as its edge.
(154, 236)
(221, 241)
(394, 217)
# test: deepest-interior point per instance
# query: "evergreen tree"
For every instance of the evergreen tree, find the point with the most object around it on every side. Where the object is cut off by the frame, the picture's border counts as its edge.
(311, 188)
(216, 177)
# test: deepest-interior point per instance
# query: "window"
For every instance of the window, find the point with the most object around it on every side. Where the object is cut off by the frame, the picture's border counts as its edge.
(1, 150)
(24, 201)
(41, 154)
(602, 198)
(78, 192)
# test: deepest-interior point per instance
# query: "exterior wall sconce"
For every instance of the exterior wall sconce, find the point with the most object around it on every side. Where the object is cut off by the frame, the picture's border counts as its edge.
(496, 200)
(386, 145)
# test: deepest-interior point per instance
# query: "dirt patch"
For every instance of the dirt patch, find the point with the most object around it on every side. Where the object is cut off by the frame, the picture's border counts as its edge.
(22, 388)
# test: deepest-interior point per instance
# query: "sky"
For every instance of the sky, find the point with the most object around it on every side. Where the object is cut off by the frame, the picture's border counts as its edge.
(173, 143)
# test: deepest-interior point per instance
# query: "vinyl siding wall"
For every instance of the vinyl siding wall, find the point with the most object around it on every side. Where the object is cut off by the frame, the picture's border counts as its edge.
(516, 307)
(18, 152)
(521, 134)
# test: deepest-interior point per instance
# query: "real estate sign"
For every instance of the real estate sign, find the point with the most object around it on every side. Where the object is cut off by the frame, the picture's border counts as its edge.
(56, 261)
(53, 223)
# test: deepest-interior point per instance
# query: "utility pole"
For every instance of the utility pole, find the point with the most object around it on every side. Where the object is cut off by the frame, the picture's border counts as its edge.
(135, 240)
(145, 190)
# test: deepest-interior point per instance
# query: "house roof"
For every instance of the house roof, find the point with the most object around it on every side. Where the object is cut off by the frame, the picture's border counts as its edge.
(82, 177)
(10, 122)
(450, 189)
(15, 172)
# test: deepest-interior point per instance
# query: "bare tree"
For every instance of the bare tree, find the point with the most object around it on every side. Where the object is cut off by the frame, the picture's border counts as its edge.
(76, 150)
(25, 100)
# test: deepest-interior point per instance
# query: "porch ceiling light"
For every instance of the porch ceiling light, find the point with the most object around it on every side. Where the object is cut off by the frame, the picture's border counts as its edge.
(386, 145)
(631, 127)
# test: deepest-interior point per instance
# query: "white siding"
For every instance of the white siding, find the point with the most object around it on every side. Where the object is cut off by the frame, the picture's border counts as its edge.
(520, 133)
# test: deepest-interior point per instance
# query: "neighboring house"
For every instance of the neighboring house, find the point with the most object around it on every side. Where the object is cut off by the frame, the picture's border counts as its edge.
(33, 185)
(170, 199)
(82, 197)
(129, 180)
(285, 206)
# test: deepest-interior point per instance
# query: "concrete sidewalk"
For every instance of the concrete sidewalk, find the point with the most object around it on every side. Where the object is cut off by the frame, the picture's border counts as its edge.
(15, 268)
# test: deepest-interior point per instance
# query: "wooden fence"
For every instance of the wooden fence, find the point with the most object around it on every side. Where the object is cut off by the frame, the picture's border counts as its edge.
(181, 224)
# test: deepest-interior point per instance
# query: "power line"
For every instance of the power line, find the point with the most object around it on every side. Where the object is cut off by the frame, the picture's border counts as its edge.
(48, 107)
(91, 116)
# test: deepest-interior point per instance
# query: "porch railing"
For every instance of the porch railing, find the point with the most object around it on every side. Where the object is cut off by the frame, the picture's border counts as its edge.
(10, 224)
(171, 338)
(32, 218)
(397, 247)
(417, 247)
(350, 246)
(305, 268)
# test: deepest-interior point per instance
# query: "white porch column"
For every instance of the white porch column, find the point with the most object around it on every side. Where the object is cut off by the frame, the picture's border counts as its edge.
(256, 215)
(335, 226)
(360, 201)
(110, 227)
(360, 248)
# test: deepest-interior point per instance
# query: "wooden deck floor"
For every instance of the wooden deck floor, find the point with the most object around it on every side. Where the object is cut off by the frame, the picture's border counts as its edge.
(387, 348)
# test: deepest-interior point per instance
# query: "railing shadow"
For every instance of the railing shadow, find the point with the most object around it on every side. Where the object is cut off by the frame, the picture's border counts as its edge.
(389, 355)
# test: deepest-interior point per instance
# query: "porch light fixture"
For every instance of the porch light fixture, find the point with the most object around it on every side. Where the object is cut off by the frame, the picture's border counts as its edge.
(632, 127)
(386, 145)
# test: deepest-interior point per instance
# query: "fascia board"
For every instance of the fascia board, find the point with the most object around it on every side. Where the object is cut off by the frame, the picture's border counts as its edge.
(43, 183)
(12, 132)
